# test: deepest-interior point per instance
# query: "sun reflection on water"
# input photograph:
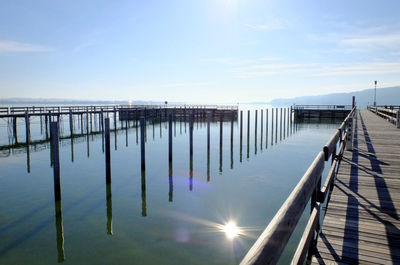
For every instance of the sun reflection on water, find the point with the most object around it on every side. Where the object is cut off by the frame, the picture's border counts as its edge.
(231, 230)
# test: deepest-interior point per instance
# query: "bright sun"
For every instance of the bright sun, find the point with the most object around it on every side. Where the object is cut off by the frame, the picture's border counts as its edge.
(231, 230)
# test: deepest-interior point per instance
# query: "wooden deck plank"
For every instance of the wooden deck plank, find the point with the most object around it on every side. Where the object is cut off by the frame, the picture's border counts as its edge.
(362, 221)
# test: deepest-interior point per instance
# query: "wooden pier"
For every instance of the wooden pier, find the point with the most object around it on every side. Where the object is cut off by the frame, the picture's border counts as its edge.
(321, 111)
(362, 223)
(360, 194)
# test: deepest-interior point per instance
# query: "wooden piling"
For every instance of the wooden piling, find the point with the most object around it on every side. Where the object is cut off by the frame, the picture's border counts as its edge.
(27, 128)
(262, 128)
(220, 131)
(71, 123)
(191, 136)
(208, 135)
(255, 125)
(108, 150)
(55, 159)
(142, 143)
(266, 128)
(170, 139)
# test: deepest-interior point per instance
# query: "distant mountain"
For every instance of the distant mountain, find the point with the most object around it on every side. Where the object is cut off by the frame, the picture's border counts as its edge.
(384, 96)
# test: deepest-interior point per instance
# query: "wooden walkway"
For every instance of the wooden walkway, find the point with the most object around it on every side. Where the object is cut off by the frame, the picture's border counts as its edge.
(362, 223)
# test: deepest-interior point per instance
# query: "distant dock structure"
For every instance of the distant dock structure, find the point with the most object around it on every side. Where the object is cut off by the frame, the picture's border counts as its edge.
(321, 111)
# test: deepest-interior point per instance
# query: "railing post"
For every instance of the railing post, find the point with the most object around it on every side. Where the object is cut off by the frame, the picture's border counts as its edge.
(350, 131)
(398, 119)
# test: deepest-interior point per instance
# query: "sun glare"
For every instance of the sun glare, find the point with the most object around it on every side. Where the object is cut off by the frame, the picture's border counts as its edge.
(231, 230)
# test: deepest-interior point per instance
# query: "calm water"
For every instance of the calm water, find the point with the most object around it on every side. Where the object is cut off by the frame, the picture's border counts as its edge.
(150, 218)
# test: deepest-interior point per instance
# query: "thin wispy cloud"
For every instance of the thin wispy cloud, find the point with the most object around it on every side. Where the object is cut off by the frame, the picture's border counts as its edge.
(8, 46)
(316, 69)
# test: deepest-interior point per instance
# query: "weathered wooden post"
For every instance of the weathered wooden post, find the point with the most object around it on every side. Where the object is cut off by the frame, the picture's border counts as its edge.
(15, 129)
(71, 123)
(350, 131)
(87, 121)
(241, 127)
(280, 127)
(191, 136)
(208, 135)
(102, 120)
(262, 129)
(255, 126)
(353, 102)
(284, 123)
(276, 125)
(108, 150)
(248, 126)
(27, 128)
(142, 143)
(55, 159)
(220, 131)
(170, 139)
(272, 126)
(398, 118)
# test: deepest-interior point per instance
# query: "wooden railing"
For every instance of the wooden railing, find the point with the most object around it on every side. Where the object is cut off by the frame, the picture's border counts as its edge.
(390, 114)
(269, 246)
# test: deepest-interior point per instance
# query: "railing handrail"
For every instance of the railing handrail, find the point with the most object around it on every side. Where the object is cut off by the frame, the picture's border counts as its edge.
(270, 244)
(391, 115)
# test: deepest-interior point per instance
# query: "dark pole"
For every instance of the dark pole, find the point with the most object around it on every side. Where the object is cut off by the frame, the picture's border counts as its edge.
(108, 152)
(170, 139)
(56, 159)
(142, 143)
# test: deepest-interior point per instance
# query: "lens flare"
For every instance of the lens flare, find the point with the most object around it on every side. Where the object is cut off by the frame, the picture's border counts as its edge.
(231, 230)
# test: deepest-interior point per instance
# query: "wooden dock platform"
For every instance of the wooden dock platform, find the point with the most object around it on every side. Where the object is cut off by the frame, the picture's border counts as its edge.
(362, 225)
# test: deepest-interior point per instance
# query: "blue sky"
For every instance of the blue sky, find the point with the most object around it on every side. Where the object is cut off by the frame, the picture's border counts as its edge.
(196, 50)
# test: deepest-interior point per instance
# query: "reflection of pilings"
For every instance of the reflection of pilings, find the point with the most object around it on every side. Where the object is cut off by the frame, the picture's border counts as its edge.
(108, 151)
(191, 173)
(241, 135)
(170, 180)
(109, 208)
(88, 147)
(72, 149)
(170, 139)
(60, 231)
(142, 145)
(144, 207)
(28, 159)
